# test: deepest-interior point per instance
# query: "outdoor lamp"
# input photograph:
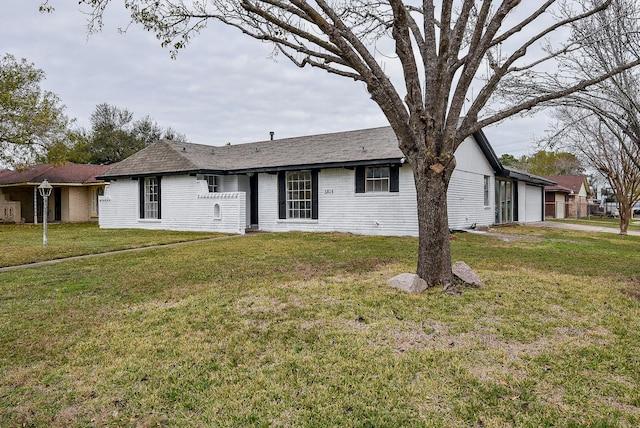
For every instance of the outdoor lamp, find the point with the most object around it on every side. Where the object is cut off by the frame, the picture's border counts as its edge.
(45, 191)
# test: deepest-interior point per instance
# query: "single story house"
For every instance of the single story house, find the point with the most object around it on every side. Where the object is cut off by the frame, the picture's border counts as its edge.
(74, 197)
(568, 198)
(356, 181)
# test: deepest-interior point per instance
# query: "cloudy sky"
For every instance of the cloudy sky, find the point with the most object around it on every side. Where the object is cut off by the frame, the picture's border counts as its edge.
(221, 88)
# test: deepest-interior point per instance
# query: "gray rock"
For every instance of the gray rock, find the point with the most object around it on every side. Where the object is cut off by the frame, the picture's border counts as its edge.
(409, 282)
(466, 274)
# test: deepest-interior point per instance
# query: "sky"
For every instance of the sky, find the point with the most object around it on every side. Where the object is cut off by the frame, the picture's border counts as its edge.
(223, 87)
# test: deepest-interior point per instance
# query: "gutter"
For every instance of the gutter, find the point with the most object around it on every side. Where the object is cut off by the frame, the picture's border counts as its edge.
(268, 169)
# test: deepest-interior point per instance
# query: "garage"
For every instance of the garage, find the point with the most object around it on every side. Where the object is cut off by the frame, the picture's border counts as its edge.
(533, 203)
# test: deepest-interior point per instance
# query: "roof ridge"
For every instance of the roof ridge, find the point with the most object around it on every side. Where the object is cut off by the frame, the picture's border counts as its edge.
(301, 137)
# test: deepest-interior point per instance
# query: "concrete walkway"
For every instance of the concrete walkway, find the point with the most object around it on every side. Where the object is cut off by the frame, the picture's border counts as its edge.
(108, 253)
(582, 227)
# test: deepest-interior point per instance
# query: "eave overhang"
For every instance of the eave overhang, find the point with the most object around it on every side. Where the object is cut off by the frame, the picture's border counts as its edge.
(266, 169)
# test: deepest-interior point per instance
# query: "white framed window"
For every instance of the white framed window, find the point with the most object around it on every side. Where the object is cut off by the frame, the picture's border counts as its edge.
(377, 179)
(151, 193)
(213, 183)
(299, 194)
(487, 181)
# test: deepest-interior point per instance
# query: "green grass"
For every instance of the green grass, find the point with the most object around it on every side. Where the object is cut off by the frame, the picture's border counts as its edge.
(300, 330)
(22, 243)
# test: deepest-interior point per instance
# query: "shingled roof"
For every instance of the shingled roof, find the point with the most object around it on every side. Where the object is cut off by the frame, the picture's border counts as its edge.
(67, 173)
(340, 149)
(568, 183)
(377, 145)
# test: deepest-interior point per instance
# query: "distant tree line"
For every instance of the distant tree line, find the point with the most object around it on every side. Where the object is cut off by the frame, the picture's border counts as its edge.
(545, 163)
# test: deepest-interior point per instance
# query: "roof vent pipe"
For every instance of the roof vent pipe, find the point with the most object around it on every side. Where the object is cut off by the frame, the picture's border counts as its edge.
(271, 134)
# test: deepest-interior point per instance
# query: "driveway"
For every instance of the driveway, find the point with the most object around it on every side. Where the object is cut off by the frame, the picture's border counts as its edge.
(582, 227)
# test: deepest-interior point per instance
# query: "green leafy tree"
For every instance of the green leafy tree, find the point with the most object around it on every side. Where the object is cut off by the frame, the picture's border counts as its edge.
(509, 160)
(463, 65)
(148, 131)
(114, 136)
(31, 119)
(552, 163)
(74, 148)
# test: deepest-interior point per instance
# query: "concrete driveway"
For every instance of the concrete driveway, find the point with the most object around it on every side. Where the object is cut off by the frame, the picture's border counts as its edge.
(582, 227)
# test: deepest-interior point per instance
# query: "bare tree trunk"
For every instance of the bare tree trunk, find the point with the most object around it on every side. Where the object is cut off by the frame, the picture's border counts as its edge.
(434, 252)
(626, 214)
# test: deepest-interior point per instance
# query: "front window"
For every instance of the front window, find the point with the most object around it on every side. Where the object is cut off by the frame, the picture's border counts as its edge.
(151, 197)
(299, 192)
(212, 183)
(377, 179)
(486, 190)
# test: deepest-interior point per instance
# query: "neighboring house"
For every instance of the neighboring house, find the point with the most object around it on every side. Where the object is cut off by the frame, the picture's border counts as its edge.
(74, 197)
(356, 181)
(568, 198)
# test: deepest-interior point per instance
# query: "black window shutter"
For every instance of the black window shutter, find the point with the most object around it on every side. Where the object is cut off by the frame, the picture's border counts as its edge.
(159, 197)
(314, 194)
(141, 199)
(282, 195)
(394, 178)
(360, 170)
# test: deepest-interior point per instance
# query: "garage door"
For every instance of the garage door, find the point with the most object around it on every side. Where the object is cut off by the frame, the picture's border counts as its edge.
(533, 203)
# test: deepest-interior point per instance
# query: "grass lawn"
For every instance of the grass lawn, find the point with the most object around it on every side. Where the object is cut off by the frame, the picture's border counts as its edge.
(300, 330)
(22, 243)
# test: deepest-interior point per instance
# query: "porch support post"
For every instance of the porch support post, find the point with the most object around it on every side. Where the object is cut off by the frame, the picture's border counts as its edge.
(35, 204)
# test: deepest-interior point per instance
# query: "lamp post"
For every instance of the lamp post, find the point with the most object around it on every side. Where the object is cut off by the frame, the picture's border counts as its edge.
(45, 191)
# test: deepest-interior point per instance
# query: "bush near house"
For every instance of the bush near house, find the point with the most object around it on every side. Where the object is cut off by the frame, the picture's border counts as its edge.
(300, 330)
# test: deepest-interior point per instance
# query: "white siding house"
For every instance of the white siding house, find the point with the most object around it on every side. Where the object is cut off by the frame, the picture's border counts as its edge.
(354, 182)
(186, 204)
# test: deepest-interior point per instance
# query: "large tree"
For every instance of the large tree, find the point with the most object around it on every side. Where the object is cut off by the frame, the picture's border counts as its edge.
(456, 60)
(31, 119)
(114, 136)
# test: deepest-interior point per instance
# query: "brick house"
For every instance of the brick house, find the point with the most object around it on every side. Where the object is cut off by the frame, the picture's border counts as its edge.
(74, 198)
(568, 198)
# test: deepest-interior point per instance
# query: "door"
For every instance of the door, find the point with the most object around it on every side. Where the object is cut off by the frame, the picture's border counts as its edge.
(533, 199)
(57, 201)
(504, 202)
(253, 190)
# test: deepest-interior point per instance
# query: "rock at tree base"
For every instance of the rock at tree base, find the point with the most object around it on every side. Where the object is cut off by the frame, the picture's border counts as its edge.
(409, 282)
(462, 271)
